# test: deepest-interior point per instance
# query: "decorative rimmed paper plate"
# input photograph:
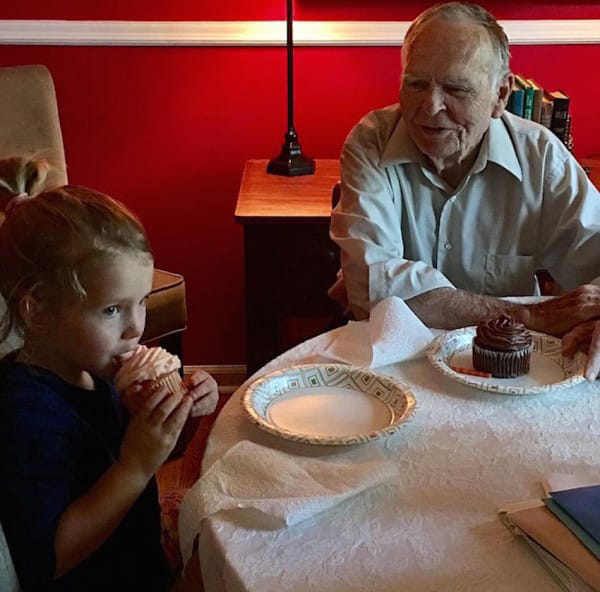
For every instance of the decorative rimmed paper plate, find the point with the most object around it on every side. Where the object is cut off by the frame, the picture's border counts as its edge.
(549, 370)
(328, 404)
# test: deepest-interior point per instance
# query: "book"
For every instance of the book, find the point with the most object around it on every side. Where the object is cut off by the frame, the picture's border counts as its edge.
(560, 481)
(582, 504)
(591, 545)
(538, 93)
(563, 555)
(569, 141)
(528, 90)
(560, 113)
(547, 108)
(567, 579)
(516, 101)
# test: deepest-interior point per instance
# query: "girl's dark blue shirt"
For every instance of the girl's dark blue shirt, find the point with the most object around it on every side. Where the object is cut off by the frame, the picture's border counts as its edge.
(56, 440)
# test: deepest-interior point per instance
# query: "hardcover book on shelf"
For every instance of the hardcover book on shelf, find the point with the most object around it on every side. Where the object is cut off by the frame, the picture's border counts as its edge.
(547, 108)
(538, 93)
(569, 140)
(516, 101)
(528, 90)
(560, 113)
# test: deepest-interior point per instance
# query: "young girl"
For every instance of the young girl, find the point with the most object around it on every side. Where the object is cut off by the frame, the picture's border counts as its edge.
(78, 498)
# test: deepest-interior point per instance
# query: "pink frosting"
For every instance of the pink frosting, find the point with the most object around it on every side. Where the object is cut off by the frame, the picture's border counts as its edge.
(144, 363)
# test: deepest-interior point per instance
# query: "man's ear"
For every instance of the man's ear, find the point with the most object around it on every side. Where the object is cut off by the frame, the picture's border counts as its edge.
(33, 312)
(502, 94)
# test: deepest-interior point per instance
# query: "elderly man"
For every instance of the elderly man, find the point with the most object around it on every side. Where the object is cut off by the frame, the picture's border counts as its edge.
(449, 202)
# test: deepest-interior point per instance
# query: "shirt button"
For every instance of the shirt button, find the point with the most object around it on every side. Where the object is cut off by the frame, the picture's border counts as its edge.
(448, 246)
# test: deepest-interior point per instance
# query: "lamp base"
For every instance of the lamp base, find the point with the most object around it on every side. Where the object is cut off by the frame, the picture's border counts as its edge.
(291, 162)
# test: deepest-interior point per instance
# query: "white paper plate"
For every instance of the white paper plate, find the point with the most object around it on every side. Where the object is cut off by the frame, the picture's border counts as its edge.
(328, 404)
(549, 369)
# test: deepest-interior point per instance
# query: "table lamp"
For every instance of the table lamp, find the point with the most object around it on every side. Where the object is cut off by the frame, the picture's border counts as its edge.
(291, 162)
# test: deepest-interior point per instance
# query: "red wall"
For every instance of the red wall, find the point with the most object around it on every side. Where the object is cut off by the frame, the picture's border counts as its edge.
(167, 130)
(181, 10)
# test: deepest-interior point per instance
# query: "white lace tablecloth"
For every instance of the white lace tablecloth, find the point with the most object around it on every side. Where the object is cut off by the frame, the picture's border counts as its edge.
(463, 455)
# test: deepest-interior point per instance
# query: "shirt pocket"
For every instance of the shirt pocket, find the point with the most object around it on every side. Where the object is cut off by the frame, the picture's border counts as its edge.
(509, 275)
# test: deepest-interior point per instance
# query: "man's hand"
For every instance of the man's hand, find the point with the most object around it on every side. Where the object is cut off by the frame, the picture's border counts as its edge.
(337, 292)
(576, 317)
(559, 315)
(204, 391)
(586, 338)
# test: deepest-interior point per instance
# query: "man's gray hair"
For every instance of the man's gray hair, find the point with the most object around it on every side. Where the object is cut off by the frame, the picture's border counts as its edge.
(454, 11)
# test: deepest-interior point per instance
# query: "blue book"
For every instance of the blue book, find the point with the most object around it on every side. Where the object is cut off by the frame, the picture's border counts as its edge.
(528, 92)
(591, 545)
(582, 504)
(516, 101)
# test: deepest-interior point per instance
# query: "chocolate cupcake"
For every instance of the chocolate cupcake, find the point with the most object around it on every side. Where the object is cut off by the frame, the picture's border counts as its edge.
(502, 347)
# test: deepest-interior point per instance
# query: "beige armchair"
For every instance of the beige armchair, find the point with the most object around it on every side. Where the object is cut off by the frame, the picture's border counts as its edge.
(29, 124)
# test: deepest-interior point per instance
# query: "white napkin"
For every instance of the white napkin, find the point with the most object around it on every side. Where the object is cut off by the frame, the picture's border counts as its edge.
(392, 334)
(269, 489)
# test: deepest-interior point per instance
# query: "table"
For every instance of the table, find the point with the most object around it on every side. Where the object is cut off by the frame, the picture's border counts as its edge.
(464, 454)
(290, 260)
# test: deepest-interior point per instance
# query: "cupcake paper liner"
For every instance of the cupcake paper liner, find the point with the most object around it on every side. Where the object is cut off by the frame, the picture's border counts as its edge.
(173, 383)
(502, 364)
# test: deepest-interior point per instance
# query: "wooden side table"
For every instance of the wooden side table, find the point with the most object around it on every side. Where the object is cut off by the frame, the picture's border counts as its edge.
(290, 259)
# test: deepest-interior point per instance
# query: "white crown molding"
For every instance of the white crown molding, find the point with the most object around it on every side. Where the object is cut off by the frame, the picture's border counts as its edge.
(261, 33)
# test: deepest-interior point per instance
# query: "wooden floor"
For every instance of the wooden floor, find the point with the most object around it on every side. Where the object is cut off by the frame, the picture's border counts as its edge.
(179, 474)
(184, 470)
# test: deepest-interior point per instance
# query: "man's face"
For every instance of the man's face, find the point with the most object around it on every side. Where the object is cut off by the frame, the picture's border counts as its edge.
(446, 97)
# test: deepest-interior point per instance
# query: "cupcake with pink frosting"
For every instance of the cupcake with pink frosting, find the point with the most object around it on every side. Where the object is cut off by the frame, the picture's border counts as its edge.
(150, 367)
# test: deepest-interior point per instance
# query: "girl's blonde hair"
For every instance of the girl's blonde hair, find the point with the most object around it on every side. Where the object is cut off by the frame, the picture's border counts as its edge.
(46, 241)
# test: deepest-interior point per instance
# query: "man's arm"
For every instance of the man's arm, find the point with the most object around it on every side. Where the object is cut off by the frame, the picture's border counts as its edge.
(451, 309)
(573, 316)
(446, 308)
(366, 225)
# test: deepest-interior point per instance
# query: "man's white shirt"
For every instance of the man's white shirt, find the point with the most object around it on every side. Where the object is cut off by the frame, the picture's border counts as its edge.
(526, 204)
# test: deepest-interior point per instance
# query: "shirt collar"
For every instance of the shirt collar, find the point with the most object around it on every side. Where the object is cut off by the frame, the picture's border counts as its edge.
(497, 147)
(400, 148)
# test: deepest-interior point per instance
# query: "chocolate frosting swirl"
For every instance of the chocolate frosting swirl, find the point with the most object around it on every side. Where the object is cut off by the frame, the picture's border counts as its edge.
(503, 334)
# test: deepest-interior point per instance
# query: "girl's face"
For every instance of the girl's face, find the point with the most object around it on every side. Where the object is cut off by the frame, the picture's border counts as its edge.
(85, 338)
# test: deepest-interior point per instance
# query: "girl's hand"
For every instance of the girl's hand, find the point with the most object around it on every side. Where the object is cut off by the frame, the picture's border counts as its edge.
(204, 391)
(135, 395)
(153, 431)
